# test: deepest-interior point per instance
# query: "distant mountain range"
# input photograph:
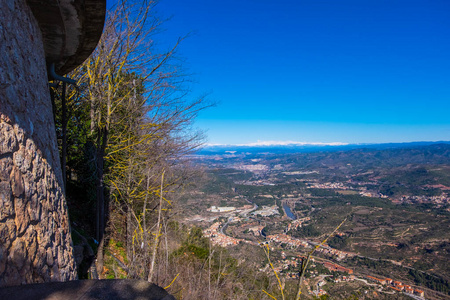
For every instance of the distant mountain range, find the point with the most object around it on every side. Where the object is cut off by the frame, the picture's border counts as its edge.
(299, 147)
(279, 143)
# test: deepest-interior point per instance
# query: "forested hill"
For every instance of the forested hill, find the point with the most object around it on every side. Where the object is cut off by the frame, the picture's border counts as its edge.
(375, 155)
(311, 148)
(433, 154)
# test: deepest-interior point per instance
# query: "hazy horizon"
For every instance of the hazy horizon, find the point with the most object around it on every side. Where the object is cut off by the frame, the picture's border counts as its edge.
(297, 143)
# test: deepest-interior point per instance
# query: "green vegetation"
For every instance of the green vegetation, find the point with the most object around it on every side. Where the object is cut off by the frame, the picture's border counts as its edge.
(217, 273)
(124, 132)
(430, 281)
(405, 227)
(306, 231)
(387, 269)
(338, 242)
(321, 192)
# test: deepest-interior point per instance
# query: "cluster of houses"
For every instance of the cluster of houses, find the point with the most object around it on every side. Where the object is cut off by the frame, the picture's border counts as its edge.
(335, 267)
(387, 282)
(286, 239)
(328, 185)
(218, 238)
(345, 278)
(319, 292)
(252, 168)
(397, 286)
(338, 254)
(296, 223)
(436, 200)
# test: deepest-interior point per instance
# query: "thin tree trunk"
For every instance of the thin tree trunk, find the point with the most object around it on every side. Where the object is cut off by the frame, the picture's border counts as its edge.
(129, 233)
(129, 206)
(218, 275)
(92, 115)
(166, 263)
(100, 258)
(99, 186)
(102, 142)
(144, 221)
(158, 231)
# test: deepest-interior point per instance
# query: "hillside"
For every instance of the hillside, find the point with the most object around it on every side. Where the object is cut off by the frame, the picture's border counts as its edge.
(395, 200)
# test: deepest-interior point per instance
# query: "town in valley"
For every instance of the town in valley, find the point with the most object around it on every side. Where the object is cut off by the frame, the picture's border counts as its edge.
(393, 203)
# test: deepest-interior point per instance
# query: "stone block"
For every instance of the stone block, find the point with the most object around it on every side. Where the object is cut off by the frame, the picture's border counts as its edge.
(6, 166)
(6, 203)
(22, 218)
(34, 209)
(18, 255)
(50, 257)
(17, 185)
(40, 259)
(8, 143)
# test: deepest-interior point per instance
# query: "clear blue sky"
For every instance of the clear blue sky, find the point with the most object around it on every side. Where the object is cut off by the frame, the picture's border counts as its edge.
(352, 71)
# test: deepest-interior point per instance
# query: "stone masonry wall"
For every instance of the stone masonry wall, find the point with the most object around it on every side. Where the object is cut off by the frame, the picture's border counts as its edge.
(35, 242)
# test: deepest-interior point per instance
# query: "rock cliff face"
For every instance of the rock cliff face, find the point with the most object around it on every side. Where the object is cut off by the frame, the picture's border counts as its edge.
(35, 242)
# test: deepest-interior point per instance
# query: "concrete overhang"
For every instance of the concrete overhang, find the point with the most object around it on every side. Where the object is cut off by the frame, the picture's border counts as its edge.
(70, 29)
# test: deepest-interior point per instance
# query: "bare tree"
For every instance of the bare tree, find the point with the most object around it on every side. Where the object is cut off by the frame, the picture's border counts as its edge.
(140, 123)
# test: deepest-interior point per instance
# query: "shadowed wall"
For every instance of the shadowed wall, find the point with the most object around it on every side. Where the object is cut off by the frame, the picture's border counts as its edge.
(35, 242)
